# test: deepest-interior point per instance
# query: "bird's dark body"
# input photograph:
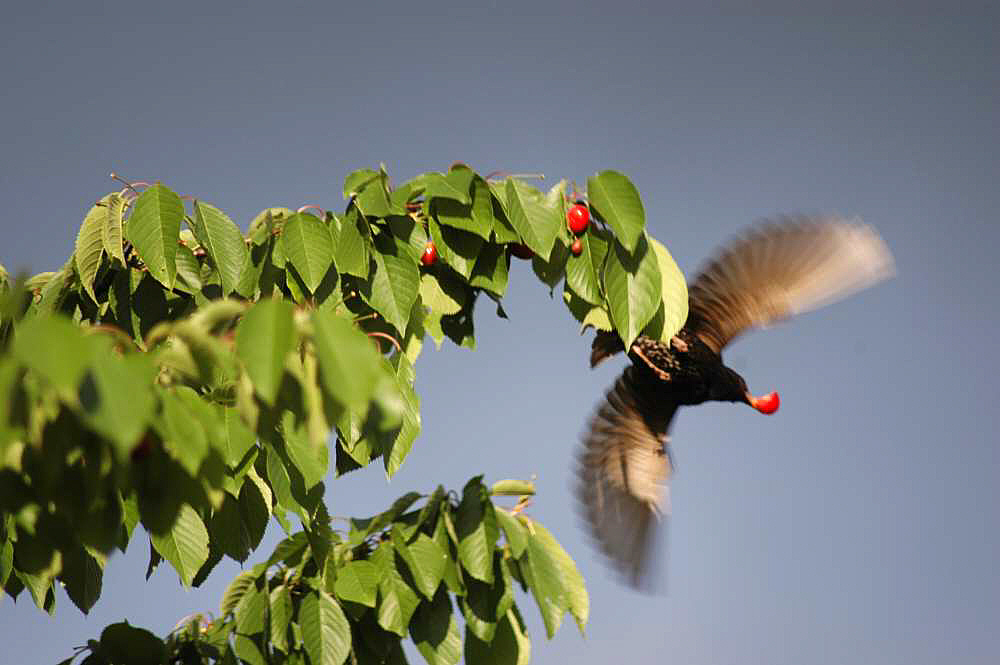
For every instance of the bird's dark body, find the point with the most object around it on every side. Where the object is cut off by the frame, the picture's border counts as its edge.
(685, 370)
(764, 277)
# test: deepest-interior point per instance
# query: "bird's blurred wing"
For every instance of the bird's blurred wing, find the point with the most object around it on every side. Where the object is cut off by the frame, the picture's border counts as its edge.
(784, 267)
(624, 469)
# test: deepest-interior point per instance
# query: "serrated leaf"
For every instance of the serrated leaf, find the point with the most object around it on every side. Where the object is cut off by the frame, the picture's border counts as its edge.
(435, 631)
(280, 615)
(90, 246)
(357, 581)
(632, 283)
(310, 460)
(238, 588)
(264, 337)
(353, 253)
(577, 599)
(185, 545)
(186, 439)
(443, 291)
(458, 249)
(425, 559)
(411, 423)
(476, 528)
(394, 283)
(251, 611)
(223, 242)
(516, 534)
(454, 186)
(111, 228)
(309, 247)
(537, 224)
(82, 578)
(490, 271)
(154, 228)
(674, 295)
(583, 273)
(543, 576)
(355, 181)
(396, 600)
(510, 645)
(613, 196)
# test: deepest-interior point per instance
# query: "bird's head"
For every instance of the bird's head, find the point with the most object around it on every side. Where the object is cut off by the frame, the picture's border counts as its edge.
(730, 387)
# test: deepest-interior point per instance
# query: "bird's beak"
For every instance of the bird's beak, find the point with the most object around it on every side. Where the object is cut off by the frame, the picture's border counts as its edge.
(767, 404)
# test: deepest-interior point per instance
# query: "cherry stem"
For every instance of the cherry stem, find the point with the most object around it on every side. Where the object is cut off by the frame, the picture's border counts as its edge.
(313, 206)
(392, 340)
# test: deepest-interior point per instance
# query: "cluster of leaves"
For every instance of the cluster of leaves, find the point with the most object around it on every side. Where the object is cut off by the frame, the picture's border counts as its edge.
(189, 379)
(321, 598)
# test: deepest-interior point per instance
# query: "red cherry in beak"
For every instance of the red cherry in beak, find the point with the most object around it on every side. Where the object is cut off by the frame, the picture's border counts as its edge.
(766, 404)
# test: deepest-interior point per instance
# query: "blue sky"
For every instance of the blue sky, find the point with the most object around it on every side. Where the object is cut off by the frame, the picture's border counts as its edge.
(857, 525)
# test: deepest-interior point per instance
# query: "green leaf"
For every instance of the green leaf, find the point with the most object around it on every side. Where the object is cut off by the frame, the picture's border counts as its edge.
(484, 605)
(188, 271)
(239, 587)
(357, 582)
(223, 242)
(674, 295)
(309, 247)
(425, 559)
(122, 643)
(454, 186)
(435, 631)
(358, 180)
(401, 445)
(90, 246)
(396, 600)
(310, 460)
(117, 398)
(238, 437)
(458, 249)
(613, 196)
(251, 611)
(264, 337)
(510, 645)
(394, 283)
(280, 616)
(577, 599)
(81, 577)
(185, 545)
(516, 534)
(111, 227)
(227, 531)
(443, 291)
(247, 650)
(490, 271)
(186, 439)
(633, 284)
(349, 365)
(353, 253)
(583, 273)
(34, 342)
(154, 229)
(537, 224)
(476, 528)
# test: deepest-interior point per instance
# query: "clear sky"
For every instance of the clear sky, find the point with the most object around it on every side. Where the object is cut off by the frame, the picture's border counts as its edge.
(858, 525)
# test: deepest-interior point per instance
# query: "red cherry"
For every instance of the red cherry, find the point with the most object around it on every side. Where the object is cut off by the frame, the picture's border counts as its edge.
(767, 404)
(521, 251)
(576, 248)
(578, 217)
(430, 255)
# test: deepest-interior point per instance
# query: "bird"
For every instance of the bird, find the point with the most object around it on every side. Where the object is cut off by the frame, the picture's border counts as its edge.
(778, 268)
